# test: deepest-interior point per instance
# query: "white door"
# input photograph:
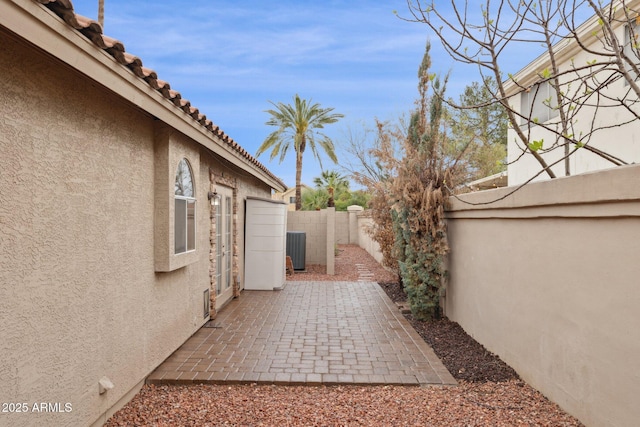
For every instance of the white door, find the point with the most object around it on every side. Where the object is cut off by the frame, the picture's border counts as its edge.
(224, 246)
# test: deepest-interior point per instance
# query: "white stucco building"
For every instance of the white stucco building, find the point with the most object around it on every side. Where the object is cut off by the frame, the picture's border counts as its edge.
(615, 130)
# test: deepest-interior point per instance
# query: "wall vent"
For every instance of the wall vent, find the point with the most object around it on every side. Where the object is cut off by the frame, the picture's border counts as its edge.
(206, 301)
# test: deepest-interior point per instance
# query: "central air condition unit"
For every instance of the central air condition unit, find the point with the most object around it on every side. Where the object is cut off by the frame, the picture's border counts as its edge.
(296, 248)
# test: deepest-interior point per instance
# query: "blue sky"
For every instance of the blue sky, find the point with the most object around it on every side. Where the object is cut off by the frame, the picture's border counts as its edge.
(231, 58)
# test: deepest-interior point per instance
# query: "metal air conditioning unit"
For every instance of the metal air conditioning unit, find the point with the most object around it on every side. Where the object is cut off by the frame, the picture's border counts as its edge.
(296, 248)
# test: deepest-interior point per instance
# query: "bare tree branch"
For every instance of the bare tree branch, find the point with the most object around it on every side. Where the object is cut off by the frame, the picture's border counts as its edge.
(483, 36)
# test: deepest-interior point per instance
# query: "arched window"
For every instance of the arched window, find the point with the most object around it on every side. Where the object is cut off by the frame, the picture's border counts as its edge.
(185, 209)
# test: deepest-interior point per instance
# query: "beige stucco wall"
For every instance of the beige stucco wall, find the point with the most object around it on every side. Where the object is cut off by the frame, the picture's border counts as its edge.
(365, 222)
(286, 195)
(80, 297)
(548, 280)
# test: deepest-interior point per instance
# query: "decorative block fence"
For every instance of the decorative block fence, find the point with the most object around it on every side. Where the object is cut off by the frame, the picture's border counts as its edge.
(325, 229)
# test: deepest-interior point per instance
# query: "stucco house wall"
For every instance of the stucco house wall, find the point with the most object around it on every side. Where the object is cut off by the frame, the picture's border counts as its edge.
(87, 288)
(622, 141)
(548, 280)
(287, 195)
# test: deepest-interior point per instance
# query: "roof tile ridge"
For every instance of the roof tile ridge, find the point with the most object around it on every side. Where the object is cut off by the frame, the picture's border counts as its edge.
(93, 31)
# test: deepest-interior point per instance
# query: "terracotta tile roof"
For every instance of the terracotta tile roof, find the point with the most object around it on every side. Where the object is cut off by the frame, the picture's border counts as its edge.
(92, 30)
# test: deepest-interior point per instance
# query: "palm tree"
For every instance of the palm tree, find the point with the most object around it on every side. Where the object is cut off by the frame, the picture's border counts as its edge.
(333, 182)
(298, 123)
(314, 200)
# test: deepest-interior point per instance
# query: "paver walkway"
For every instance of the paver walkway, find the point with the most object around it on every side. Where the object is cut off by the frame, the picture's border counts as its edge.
(307, 333)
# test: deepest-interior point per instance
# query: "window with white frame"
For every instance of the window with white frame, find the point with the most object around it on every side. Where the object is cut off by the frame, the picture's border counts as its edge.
(185, 209)
(538, 104)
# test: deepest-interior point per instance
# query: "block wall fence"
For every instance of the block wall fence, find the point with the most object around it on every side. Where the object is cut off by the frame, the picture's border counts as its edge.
(324, 230)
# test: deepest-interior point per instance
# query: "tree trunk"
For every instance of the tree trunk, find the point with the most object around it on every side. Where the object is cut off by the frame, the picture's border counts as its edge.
(101, 13)
(298, 179)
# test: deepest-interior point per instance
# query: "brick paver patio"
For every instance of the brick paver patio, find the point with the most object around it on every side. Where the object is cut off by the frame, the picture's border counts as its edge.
(307, 333)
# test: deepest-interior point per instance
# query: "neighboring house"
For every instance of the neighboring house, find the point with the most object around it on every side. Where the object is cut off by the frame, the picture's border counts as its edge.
(289, 196)
(622, 141)
(121, 217)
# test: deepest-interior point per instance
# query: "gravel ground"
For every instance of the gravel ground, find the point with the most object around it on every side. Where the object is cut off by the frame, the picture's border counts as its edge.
(348, 256)
(489, 391)
(463, 356)
(485, 404)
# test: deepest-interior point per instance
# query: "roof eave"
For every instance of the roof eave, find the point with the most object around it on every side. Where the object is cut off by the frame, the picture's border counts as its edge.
(44, 29)
(564, 49)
